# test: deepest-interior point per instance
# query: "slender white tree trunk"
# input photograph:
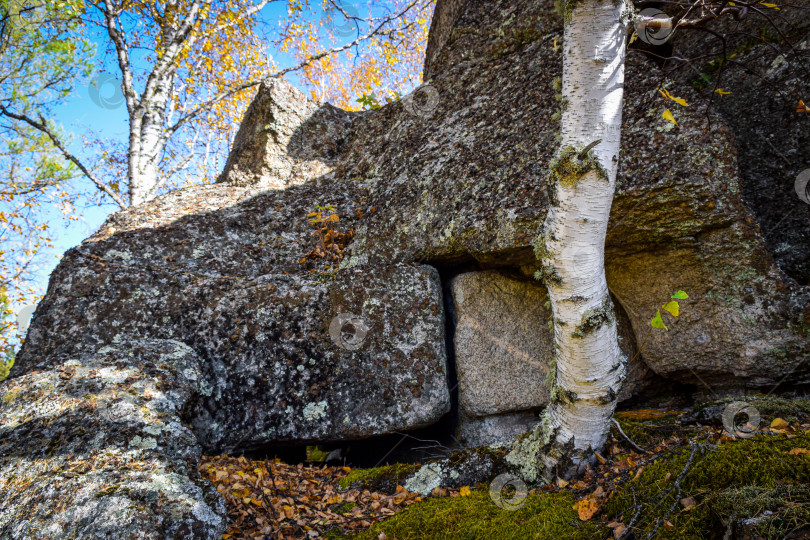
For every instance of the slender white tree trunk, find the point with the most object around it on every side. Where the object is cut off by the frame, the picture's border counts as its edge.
(148, 140)
(589, 365)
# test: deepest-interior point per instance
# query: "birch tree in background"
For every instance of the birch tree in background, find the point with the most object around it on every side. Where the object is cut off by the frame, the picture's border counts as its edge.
(183, 44)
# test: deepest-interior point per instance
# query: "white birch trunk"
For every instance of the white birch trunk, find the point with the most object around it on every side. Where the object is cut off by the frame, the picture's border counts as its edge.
(589, 365)
(148, 130)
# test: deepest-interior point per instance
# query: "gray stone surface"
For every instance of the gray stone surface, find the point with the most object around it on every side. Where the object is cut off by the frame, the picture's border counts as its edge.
(445, 15)
(98, 447)
(277, 368)
(459, 179)
(284, 139)
(502, 343)
(764, 82)
(466, 183)
(495, 429)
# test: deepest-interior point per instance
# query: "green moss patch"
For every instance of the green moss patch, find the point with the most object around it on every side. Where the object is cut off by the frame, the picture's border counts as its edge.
(651, 428)
(548, 515)
(385, 478)
(729, 483)
(700, 484)
(572, 164)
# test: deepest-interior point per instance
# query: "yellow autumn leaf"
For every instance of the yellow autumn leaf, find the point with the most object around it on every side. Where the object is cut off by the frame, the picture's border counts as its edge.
(772, 6)
(587, 508)
(667, 115)
(680, 101)
(672, 307)
(464, 491)
(721, 92)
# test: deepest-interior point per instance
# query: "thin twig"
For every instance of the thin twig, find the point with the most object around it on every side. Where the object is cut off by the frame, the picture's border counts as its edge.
(628, 439)
(676, 485)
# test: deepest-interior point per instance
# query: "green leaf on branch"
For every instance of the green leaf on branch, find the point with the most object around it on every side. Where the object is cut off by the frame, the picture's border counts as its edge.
(672, 307)
(656, 321)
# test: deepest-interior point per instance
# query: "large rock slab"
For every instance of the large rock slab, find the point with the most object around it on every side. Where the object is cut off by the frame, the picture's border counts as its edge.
(455, 175)
(287, 358)
(98, 447)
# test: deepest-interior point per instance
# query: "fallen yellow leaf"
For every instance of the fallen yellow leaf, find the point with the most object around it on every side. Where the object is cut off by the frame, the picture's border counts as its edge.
(587, 508)
(779, 423)
(464, 491)
(721, 92)
(667, 115)
(799, 452)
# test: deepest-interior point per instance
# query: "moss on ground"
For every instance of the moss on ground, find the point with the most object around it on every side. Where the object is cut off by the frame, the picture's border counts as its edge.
(769, 407)
(649, 426)
(549, 515)
(385, 478)
(751, 487)
(727, 482)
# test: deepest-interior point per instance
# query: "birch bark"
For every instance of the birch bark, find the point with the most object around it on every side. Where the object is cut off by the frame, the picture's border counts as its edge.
(589, 367)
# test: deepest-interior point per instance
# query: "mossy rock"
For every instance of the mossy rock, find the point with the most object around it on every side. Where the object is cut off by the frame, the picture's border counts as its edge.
(769, 407)
(385, 478)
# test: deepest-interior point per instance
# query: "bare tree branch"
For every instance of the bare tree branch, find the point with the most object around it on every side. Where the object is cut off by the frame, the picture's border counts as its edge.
(41, 125)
